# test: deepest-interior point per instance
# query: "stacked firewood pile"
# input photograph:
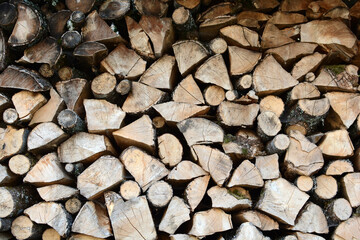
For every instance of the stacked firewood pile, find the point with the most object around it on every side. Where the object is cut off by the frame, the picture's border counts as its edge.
(179, 119)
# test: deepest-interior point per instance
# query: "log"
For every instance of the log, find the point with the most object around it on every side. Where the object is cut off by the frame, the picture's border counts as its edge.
(84, 147)
(209, 222)
(159, 123)
(244, 82)
(268, 166)
(273, 37)
(70, 39)
(175, 215)
(220, 9)
(103, 117)
(92, 220)
(350, 186)
(56, 192)
(348, 229)
(188, 91)
(27, 103)
(124, 87)
(140, 133)
(214, 95)
(185, 171)
(114, 9)
(52, 214)
(239, 36)
(304, 183)
(284, 203)
(9, 14)
(4, 104)
(307, 64)
(258, 219)
(170, 149)
(273, 104)
(129, 190)
(50, 234)
(23, 228)
(338, 210)
(305, 236)
(145, 168)
(285, 19)
(325, 187)
(159, 194)
(73, 205)
(246, 175)
(90, 52)
(245, 114)
(57, 23)
(249, 231)
(6, 176)
(279, 144)
(77, 20)
(252, 19)
(304, 90)
(20, 164)
(4, 52)
(184, 23)
(294, 6)
(218, 46)
(12, 141)
(182, 237)
(339, 167)
(268, 125)
(210, 28)
(337, 144)
(67, 73)
(229, 200)
(82, 5)
(195, 191)
(192, 5)
(74, 169)
(70, 122)
(156, 8)
(10, 116)
(242, 60)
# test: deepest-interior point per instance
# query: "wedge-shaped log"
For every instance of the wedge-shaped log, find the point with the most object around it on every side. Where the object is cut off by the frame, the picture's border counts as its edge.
(337, 144)
(351, 186)
(242, 60)
(250, 232)
(237, 35)
(195, 191)
(185, 171)
(12, 141)
(188, 91)
(27, 103)
(228, 199)
(246, 175)
(258, 219)
(176, 214)
(56, 192)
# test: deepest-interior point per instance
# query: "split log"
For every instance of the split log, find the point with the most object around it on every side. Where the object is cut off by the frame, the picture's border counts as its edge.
(90, 52)
(258, 219)
(145, 168)
(200, 131)
(294, 5)
(84, 147)
(50, 234)
(337, 144)
(47, 171)
(174, 112)
(246, 175)
(192, 5)
(49, 111)
(195, 191)
(175, 215)
(252, 19)
(214, 71)
(209, 222)
(350, 185)
(250, 232)
(220, 9)
(10, 116)
(185, 171)
(339, 167)
(6, 177)
(102, 117)
(14, 200)
(273, 104)
(56, 192)
(156, 8)
(236, 35)
(129, 190)
(310, 77)
(20, 164)
(215, 162)
(268, 125)
(124, 87)
(214, 95)
(73, 205)
(15, 77)
(52, 214)
(242, 60)
(348, 229)
(82, 5)
(114, 9)
(103, 86)
(307, 236)
(218, 46)
(160, 32)
(188, 91)
(285, 19)
(245, 114)
(27, 103)
(210, 28)
(70, 121)
(302, 157)
(189, 54)
(339, 210)
(182, 237)
(83, 237)
(23, 228)
(141, 98)
(45, 137)
(131, 219)
(229, 199)
(326, 187)
(279, 144)
(268, 166)
(92, 220)
(12, 141)
(159, 194)
(304, 183)
(170, 149)
(304, 90)
(57, 23)
(270, 78)
(284, 203)
(273, 37)
(74, 92)
(307, 64)
(140, 133)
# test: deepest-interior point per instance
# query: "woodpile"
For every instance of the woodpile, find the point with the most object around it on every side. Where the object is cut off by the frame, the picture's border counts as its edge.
(180, 119)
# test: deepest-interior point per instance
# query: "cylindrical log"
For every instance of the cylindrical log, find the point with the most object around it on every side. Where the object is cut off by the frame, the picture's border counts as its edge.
(123, 87)
(70, 122)
(244, 82)
(159, 194)
(46, 71)
(338, 210)
(304, 183)
(20, 164)
(268, 125)
(23, 228)
(74, 169)
(103, 86)
(214, 95)
(50, 234)
(310, 77)
(273, 104)
(10, 116)
(218, 46)
(278, 144)
(129, 189)
(184, 23)
(8, 13)
(326, 187)
(73, 205)
(70, 39)
(77, 19)
(231, 95)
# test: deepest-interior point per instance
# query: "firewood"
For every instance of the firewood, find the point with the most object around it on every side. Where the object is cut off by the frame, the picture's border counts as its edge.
(14, 200)
(242, 60)
(246, 175)
(57, 23)
(20, 164)
(23, 36)
(252, 19)
(304, 90)
(292, 32)
(272, 37)
(47, 51)
(244, 82)
(258, 219)
(4, 51)
(114, 9)
(236, 35)
(306, 236)
(82, 5)
(188, 91)
(12, 141)
(200, 131)
(50, 234)
(67, 73)
(131, 219)
(103, 86)
(83, 237)
(231, 95)
(6, 176)
(220, 9)
(229, 199)
(285, 19)
(206, 72)
(52, 214)
(294, 6)
(45, 137)
(192, 5)
(27, 103)
(218, 46)
(102, 116)
(23, 228)
(176, 214)
(74, 169)
(270, 78)
(56, 192)
(155, 8)
(84, 147)
(182, 237)
(268, 166)
(92, 220)
(140, 133)
(10, 116)
(350, 185)
(195, 191)
(70, 121)
(334, 34)
(268, 125)
(124, 87)
(185, 171)
(9, 13)
(140, 42)
(5, 224)
(325, 187)
(249, 231)
(170, 149)
(210, 28)
(4, 103)
(77, 20)
(339, 167)
(74, 92)
(159, 122)
(339, 210)
(209, 222)
(189, 54)
(279, 144)
(73, 205)
(307, 64)
(159, 194)
(129, 190)
(15, 77)
(296, 127)
(304, 183)
(70, 39)
(245, 114)
(145, 168)
(90, 52)
(302, 157)
(214, 95)
(215, 162)
(310, 77)
(160, 32)
(337, 144)
(348, 229)
(273, 104)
